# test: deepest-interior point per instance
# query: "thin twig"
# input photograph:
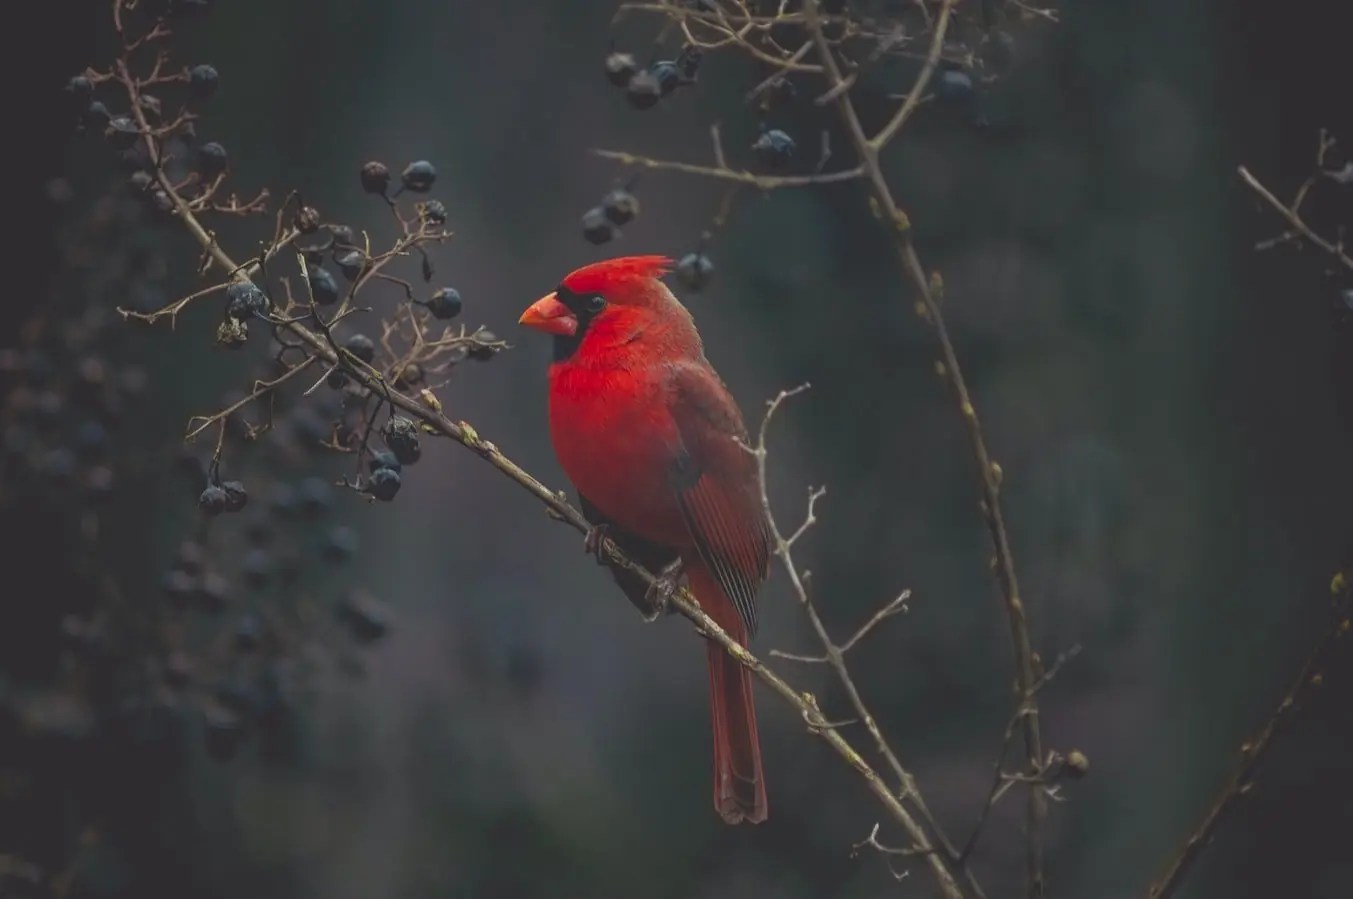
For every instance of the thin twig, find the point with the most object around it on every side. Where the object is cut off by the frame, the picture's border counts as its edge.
(764, 182)
(1295, 220)
(1253, 750)
(1025, 673)
(835, 656)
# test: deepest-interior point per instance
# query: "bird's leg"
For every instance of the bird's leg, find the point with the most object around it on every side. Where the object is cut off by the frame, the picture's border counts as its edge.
(659, 593)
(593, 540)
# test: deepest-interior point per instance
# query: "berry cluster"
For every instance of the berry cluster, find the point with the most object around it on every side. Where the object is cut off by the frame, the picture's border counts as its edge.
(254, 585)
(601, 224)
(645, 87)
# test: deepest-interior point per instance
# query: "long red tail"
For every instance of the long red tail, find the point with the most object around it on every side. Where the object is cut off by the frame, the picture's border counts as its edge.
(739, 786)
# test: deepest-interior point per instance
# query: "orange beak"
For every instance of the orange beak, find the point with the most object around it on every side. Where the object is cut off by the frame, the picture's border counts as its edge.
(549, 315)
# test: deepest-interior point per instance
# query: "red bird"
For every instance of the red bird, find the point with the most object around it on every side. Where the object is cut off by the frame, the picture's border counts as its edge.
(649, 435)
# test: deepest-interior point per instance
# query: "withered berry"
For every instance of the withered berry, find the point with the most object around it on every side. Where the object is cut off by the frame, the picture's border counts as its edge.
(375, 177)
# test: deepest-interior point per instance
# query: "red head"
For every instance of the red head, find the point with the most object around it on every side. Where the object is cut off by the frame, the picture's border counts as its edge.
(609, 304)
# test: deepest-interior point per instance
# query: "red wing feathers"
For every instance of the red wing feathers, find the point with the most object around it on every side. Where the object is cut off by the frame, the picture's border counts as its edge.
(716, 485)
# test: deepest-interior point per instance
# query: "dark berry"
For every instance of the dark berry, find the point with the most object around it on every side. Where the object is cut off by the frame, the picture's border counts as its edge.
(695, 270)
(58, 464)
(213, 500)
(445, 303)
(667, 74)
(79, 91)
(316, 496)
(597, 228)
(352, 263)
(91, 440)
(161, 201)
(773, 149)
(383, 484)
(620, 206)
(375, 177)
(954, 86)
(140, 181)
(323, 287)
(179, 586)
(282, 500)
(122, 132)
(340, 544)
(306, 220)
(997, 52)
(203, 82)
(483, 351)
(244, 300)
(343, 235)
(367, 617)
(401, 436)
(236, 496)
(336, 379)
(833, 7)
(382, 459)
(410, 375)
(190, 557)
(620, 68)
(97, 115)
(212, 160)
(257, 568)
(362, 347)
(435, 212)
(643, 90)
(418, 176)
(214, 592)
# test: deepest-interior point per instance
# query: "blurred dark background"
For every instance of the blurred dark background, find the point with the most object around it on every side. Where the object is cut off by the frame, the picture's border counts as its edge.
(1160, 397)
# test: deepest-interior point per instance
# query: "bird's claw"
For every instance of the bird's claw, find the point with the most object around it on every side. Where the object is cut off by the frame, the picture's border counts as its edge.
(593, 540)
(659, 593)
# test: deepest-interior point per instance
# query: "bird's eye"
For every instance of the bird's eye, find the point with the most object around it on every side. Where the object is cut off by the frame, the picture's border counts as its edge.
(595, 303)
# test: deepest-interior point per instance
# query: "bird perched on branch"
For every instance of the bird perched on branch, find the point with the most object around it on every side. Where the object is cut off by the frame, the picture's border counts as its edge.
(653, 441)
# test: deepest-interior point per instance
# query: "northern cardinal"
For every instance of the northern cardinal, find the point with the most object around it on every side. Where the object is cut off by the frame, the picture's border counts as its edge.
(649, 435)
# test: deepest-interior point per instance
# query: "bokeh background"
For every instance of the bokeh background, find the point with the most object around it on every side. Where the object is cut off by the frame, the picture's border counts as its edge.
(1159, 395)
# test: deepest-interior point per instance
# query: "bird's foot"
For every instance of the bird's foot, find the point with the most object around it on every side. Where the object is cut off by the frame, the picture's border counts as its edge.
(593, 540)
(659, 593)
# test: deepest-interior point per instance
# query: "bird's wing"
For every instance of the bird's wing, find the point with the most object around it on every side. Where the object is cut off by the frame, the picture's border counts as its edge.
(650, 555)
(714, 477)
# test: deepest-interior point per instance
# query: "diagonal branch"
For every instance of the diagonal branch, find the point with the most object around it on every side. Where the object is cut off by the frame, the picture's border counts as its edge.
(1253, 750)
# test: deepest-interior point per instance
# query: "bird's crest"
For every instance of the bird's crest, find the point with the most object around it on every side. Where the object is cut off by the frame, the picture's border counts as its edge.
(609, 273)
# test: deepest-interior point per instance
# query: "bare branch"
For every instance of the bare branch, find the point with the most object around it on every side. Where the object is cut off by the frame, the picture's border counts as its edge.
(834, 655)
(1025, 674)
(1295, 220)
(764, 182)
(1253, 750)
